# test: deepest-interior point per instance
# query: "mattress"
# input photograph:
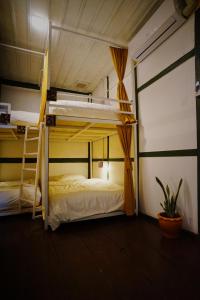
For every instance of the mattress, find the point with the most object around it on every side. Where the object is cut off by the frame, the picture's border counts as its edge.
(84, 110)
(9, 196)
(76, 199)
(24, 118)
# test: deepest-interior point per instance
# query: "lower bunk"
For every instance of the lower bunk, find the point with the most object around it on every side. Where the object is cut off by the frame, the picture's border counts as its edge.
(9, 198)
(74, 198)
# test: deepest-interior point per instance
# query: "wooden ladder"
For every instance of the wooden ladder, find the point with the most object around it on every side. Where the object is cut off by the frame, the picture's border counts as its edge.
(35, 170)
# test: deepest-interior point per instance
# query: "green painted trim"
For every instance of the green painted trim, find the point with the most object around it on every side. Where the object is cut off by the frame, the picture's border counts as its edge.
(174, 65)
(10, 160)
(26, 85)
(108, 155)
(18, 160)
(33, 86)
(197, 73)
(111, 159)
(137, 130)
(89, 165)
(168, 153)
(69, 91)
(68, 160)
(107, 86)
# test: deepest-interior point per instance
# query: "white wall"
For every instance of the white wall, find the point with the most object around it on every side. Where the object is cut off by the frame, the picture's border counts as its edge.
(167, 121)
(68, 150)
(21, 98)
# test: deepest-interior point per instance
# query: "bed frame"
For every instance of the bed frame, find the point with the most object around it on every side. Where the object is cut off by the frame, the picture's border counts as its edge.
(101, 127)
(14, 132)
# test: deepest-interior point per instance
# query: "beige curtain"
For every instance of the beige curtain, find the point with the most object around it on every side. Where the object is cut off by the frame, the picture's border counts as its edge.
(119, 57)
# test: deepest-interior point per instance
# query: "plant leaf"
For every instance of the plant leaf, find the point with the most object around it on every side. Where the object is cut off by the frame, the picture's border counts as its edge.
(168, 191)
(162, 187)
(179, 186)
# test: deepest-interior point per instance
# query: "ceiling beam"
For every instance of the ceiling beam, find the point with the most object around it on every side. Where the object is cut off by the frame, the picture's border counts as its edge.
(97, 38)
(22, 49)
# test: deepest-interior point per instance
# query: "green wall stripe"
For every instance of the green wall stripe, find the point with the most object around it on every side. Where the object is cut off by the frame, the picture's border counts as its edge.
(68, 160)
(185, 152)
(197, 73)
(137, 130)
(21, 84)
(89, 166)
(110, 159)
(34, 86)
(167, 70)
(18, 160)
(10, 160)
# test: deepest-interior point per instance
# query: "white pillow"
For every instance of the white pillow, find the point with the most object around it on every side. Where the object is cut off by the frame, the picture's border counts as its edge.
(72, 177)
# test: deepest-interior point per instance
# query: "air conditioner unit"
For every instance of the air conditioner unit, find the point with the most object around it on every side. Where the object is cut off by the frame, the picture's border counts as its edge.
(165, 21)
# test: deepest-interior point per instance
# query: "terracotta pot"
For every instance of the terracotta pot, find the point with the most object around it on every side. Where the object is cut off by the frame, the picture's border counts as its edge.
(170, 227)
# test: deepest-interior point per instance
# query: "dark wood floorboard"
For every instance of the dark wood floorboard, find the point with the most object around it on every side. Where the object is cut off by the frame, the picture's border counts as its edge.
(115, 258)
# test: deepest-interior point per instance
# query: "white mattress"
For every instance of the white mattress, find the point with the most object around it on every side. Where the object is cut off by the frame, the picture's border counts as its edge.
(72, 200)
(84, 110)
(24, 118)
(9, 195)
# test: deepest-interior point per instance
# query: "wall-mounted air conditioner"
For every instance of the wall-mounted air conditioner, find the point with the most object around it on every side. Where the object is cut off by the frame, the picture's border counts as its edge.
(165, 21)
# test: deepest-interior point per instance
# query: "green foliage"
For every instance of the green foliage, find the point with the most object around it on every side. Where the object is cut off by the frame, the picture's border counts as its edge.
(169, 205)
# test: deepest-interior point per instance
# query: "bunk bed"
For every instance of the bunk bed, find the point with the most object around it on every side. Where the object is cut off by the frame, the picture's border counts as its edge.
(9, 197)
(24, 194)
(72, 198)
(74, 119)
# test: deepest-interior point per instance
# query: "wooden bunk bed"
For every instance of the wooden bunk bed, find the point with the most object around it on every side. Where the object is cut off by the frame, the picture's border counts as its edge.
(18, 197)
(75, 119)
(24, 195)
(75, 199)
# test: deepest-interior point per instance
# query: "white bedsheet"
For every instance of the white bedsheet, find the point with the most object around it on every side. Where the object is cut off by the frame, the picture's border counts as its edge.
(71, 200)
(84, 109)
(9, 195)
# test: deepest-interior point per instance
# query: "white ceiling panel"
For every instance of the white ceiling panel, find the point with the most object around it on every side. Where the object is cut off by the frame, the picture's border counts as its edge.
(75, 60)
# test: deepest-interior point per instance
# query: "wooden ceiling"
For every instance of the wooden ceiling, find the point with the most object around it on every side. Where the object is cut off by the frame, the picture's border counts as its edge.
(77, 63)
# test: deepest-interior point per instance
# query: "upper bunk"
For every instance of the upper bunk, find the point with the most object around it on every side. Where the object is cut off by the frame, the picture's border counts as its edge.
(13, 122)
(71, 116)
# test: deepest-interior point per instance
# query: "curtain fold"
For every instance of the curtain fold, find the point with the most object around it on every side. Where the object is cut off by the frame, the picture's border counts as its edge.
(119, 57)
(44, 87)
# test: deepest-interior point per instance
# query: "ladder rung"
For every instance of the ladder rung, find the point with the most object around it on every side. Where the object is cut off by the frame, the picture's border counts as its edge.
(29, 169)
(30, 153)
(32, 139)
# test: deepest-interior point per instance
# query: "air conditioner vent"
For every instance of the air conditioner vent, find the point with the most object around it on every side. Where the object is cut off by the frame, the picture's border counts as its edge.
(165, 21)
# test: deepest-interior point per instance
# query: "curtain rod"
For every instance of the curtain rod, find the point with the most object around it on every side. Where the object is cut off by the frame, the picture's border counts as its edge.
(22, 49)
(91, 37)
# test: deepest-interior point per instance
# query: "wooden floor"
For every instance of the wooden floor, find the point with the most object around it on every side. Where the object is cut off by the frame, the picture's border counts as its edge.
(115, 258)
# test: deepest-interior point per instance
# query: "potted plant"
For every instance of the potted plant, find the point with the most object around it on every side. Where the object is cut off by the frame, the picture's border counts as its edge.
(169, 220)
